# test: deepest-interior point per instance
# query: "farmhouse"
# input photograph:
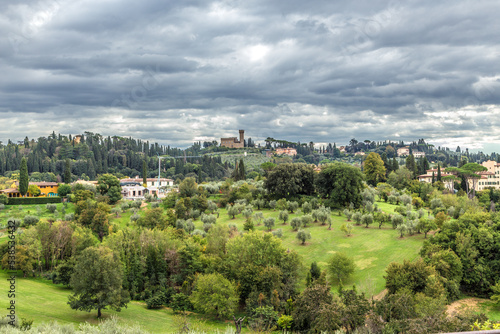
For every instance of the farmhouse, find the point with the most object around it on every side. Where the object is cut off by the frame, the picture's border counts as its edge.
(47, 189)
(403, 151)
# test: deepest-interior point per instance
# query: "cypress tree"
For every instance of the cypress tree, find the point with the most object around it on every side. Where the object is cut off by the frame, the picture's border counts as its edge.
(67, 172)
(395, 165)
(23, 177)
(144, 173)
(439, 173)
(433, 178)
(241, 171)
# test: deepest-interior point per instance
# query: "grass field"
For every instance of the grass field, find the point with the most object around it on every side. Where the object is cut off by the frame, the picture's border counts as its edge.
(371, 248)
(43, 301)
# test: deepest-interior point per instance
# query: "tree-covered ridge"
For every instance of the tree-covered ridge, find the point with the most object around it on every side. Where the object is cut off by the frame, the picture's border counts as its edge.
(91, 154)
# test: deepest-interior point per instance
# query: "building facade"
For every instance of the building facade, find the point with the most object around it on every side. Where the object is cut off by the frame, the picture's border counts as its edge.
(286, 151)
(233, 142)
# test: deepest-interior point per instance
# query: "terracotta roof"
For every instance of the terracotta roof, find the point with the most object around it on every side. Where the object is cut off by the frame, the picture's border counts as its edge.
(9, 191)
(48, 184)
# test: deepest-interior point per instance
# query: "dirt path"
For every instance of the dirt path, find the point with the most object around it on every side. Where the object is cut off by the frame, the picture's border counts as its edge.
(467, 303)
(380, 295)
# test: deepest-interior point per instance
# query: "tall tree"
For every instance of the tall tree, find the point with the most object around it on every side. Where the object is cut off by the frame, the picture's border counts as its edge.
(439, 173)
(341, 183)
(97, 281)
(23, 177)
(411, 165)
(144, 173)
(241, 170)
(67, 172)
(374, 169)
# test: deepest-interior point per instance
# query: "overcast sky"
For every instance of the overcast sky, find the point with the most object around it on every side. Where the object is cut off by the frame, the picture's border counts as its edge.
(318, 70)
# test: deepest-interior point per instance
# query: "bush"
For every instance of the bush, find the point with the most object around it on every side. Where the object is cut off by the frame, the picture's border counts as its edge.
(4, 199)
(2, 206)
(199, 232)
(69, 217)
(155, 205)
(30, 220)
(180, 302)
(136, 204)
(278, 233)
(51, 207)
(248, 226)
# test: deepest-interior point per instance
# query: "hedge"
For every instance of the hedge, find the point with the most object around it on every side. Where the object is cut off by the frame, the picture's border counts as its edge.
(33, 200)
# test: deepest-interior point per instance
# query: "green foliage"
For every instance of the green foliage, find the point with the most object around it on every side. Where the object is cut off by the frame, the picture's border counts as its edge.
(283, 216)
(188, 187)
(156, 218)
(340, 267)
(296, 223)
(181, 303)
(33, 200)
(23, 177)
(109, 185)
(64, 190)
(288, 180)
(341, 184)
(303, 236)
(269, 223)
(97, 281)
(374, 169)
(30, 220)
(4, 199)
(346, 228)
(367, 219)
(214, 294)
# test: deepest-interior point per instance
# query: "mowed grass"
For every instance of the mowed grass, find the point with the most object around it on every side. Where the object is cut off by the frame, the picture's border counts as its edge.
(43, 301)
(372, 249)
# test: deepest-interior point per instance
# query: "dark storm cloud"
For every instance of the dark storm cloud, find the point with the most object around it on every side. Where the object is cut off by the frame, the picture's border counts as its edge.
(322, 71)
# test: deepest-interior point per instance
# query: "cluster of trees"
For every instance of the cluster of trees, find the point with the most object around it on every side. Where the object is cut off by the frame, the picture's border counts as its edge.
(92, 154)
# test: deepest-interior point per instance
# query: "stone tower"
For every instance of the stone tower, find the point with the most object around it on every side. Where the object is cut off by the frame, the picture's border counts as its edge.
(242, 136)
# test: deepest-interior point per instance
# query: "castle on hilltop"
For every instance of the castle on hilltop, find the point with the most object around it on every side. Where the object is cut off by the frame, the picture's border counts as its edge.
(233, 142)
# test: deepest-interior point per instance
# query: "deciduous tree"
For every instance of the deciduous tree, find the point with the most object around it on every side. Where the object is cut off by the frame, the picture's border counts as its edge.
(97, 281)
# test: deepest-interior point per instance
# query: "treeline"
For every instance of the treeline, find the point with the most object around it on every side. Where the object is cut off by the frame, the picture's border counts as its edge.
(91, 154)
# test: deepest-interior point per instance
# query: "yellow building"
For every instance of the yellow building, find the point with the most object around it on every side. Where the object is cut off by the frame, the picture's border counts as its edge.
(47, 189)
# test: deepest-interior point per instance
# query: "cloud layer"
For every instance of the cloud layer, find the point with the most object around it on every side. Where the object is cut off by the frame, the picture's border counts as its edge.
(322, 71)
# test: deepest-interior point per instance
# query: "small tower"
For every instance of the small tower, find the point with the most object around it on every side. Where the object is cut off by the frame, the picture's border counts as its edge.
(242, 136)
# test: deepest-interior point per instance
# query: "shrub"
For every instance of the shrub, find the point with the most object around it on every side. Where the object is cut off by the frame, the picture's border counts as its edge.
(30, 220)
(180, 302)
(51, 207)
(155, 205)
(278, 233)
(248, 226)
(69, 217)
(4, 199)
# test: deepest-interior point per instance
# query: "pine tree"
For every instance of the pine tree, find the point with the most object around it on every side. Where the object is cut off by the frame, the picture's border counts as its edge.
(23, 177)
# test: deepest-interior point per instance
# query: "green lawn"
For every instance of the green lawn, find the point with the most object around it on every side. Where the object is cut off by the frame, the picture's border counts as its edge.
(43, 301)
(371, 248)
